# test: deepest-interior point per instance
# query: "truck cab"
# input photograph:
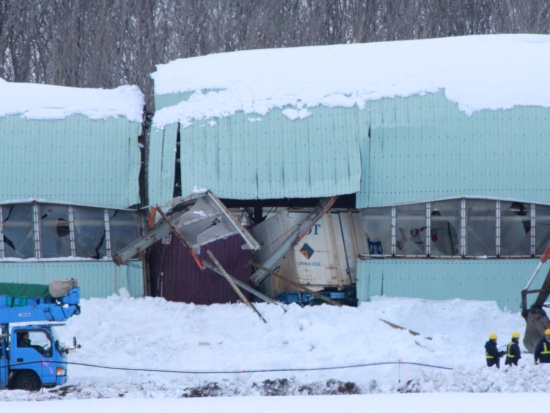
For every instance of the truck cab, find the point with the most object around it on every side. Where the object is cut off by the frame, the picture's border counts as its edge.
(32, 357)
(30, 353)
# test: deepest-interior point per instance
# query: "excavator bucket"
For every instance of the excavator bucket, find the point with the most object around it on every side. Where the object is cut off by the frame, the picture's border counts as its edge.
(537, 321)
(535, 317)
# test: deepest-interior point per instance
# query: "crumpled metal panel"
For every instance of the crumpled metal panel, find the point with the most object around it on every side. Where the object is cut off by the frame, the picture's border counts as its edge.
(265, 157)
(161, 164)
(206, 221)
(198, 219)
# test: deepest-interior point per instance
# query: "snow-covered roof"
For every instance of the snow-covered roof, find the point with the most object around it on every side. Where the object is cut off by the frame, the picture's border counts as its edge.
(477, 72)
(38, 101)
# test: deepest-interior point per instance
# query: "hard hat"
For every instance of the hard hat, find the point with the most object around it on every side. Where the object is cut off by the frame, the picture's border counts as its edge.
(547, 332)
(493, 336)
(515, 334)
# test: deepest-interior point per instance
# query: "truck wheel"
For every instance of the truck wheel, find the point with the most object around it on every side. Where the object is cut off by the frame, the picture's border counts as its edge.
(26, 380)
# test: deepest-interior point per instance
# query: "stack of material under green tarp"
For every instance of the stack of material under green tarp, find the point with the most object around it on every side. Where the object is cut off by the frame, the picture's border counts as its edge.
(25, 290)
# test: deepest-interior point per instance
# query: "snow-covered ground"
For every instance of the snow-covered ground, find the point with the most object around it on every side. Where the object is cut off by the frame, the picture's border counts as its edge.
(138, 352)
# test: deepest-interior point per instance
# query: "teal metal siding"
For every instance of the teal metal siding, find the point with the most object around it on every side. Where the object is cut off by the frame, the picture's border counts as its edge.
(403, 150)
(170, 99)
(96, 279)
(74, 160)
(424, 148)
(252, 156)
(486, 280)
(167, 100)
(161, 168)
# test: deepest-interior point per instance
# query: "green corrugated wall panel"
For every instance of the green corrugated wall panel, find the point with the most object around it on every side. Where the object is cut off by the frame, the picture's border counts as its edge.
(161, 165)
(364, 131)
(96, 279)
(412, 149)
(135, 280)
(74, 160)
(424, 148)
(242, 156)
(271, 177)
(170, 99)
(252, 156)
(296, 153)
(485, 280)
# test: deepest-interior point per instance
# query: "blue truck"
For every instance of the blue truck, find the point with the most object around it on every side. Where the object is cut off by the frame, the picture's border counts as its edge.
(31, 356)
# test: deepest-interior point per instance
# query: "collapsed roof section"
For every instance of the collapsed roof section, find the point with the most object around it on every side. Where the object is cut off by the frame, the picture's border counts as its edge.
(197, 219)
(201, 219)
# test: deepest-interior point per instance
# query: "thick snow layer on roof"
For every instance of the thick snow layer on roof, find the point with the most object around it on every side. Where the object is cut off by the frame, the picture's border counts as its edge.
(38, 101)
(477, 72)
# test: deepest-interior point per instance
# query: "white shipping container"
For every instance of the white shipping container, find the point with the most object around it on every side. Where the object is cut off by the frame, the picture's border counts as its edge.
(324, 258)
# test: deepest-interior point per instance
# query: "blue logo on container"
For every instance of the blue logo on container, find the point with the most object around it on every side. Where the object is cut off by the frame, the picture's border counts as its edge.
(307, 251)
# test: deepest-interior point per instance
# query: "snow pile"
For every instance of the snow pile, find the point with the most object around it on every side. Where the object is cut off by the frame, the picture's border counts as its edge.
(37, 101)
(159, 349)
(477, 72)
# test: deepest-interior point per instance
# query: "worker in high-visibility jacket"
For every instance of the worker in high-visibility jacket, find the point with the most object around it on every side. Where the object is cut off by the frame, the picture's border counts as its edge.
(492, 355)
(513, 352)
(542, 351)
